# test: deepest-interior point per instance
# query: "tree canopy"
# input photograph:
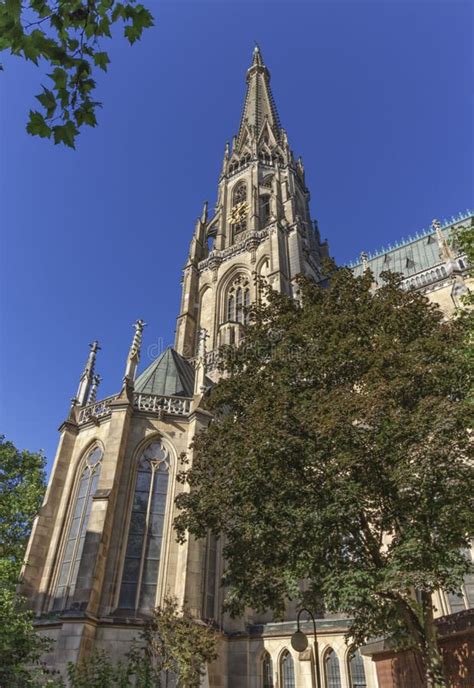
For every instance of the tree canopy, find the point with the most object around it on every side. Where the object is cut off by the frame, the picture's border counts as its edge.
(22, 484)
(67, 36)
(338, 455)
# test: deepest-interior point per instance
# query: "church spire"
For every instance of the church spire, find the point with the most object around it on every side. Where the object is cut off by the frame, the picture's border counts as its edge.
(259, 106)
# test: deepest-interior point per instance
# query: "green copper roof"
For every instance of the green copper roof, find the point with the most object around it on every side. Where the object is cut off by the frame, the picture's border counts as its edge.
(169, 375)
(413, 255)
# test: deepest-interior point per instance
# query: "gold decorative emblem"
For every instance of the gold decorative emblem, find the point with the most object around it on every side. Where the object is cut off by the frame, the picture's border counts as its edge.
(238, 213)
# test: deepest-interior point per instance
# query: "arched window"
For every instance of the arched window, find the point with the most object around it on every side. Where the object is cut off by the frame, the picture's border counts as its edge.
(331, 670)
(76, 536)
(356, 670)
(231, 307)
(142, 557)
(267, 671)
(287, 670)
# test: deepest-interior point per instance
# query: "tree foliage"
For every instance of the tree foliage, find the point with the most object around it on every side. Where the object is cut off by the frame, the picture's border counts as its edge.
(22, 483)
(172, 646)
(338, 455)
(67, 35)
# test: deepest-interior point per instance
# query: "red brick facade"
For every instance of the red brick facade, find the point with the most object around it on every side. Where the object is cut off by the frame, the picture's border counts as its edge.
(404, 669)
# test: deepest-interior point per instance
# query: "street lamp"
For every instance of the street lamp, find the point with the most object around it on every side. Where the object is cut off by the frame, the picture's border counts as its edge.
(299, 642)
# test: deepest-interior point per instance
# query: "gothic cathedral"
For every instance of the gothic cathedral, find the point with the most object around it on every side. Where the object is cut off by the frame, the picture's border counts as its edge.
(103, 552)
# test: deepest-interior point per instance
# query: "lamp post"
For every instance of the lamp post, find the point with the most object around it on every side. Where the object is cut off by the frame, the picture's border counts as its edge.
(299, 642)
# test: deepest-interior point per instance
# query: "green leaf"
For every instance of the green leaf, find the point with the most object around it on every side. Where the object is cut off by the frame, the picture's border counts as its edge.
(102, 60)
(37, 125)
(48, 101)
(132, 33)
(65, 133)
(59, 76)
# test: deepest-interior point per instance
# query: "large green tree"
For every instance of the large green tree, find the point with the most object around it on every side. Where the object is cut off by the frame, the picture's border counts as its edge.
(67, 36)
(338, 454)
(22, 484)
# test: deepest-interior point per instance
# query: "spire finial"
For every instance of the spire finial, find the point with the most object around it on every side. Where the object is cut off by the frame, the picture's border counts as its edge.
(257, 58)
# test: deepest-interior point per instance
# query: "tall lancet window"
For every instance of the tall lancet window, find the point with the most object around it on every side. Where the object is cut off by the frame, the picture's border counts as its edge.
(287, 670)
(246, 306)
(239, 305)
(356, 670)
(231, 307)
(145, 535)
(264, 209)
(267, 671)
(331, 669)
(71, 558)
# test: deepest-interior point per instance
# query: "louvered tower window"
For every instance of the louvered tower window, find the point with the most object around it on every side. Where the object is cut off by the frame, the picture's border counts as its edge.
(145, 535)
(74, 545)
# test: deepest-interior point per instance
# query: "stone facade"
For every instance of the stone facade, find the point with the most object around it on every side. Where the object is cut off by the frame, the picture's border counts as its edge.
(102, 550)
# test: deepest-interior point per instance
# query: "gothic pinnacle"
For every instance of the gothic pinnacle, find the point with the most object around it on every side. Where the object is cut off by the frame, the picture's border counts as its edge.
(204, 213)
(85, 380)
(134, 354)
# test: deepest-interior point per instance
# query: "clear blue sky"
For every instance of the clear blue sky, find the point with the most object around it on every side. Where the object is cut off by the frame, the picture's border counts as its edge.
(376, 96)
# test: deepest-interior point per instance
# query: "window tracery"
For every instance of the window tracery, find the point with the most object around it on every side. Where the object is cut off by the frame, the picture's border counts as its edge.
(238, 300)
(145, 535)
(71, 558)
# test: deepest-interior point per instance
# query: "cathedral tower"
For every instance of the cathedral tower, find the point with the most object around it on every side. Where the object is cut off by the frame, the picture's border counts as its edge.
(261, 226)
(103, 552)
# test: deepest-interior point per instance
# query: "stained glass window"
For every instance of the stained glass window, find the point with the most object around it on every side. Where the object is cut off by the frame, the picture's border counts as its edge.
(356, 670)
(145, 535)
(287, 670)
(267, 671)
(331, 670)
(71, 558)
